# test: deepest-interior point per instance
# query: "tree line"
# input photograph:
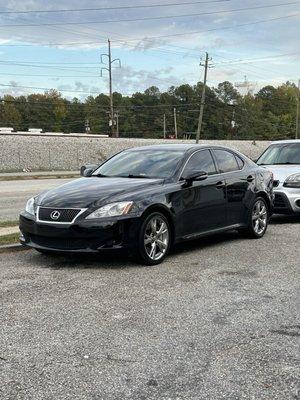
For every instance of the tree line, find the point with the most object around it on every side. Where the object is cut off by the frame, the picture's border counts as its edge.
(268, 114)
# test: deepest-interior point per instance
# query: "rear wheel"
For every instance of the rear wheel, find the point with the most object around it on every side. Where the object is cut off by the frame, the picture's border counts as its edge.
(154, 239)
(258, 219)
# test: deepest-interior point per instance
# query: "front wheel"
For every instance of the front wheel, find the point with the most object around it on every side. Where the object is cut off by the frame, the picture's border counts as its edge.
(258, 219)
(154, 239)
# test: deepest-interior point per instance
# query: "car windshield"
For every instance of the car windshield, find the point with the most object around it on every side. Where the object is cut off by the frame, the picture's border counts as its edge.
(281, 154)
(141, 164)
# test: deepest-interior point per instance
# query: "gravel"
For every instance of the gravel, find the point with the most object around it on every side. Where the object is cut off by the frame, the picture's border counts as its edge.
(218, 320)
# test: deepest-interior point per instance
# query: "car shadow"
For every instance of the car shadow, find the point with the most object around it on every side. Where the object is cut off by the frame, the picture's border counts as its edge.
(120, 259)
(206, 242)
(105, 260)
(279, 219)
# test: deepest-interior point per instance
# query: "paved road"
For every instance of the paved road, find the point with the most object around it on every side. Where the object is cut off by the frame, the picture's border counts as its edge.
(218, 320)
(14, 194)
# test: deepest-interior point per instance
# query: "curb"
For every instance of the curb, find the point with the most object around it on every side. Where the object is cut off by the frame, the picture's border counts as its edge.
(12, 248)
(35, 177)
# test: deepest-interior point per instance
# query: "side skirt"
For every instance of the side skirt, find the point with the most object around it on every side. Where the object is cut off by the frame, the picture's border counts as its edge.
(210, 232)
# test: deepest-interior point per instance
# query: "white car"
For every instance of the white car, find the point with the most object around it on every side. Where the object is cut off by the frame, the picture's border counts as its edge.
(283, 159)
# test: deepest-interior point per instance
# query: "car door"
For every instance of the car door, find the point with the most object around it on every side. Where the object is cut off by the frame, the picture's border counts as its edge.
(239, 182)
(203, 203)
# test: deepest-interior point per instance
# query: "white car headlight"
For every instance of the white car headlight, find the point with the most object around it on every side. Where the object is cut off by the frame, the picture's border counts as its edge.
(112, 210)
(293, 181)
(30, 206)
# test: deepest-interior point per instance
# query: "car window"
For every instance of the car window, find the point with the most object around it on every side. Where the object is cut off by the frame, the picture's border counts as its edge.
(226, 161)
(240, 162)
(200, 161)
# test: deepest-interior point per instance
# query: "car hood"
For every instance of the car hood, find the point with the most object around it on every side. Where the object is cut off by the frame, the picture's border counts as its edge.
(281, 172)
(93, 191)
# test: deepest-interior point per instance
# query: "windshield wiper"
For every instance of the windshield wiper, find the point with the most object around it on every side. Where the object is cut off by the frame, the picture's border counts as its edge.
(137, 176)
(286, 163)
(123, 176)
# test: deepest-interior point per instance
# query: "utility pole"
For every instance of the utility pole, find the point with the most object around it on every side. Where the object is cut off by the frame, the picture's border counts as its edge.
(298, 111)
(165, 127)
(175, 123)
(112, 121)
(206, 66)
(117, 119)
(87, 126)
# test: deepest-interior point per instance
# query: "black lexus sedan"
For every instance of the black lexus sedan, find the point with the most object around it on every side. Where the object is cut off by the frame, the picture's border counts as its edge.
(147, 199)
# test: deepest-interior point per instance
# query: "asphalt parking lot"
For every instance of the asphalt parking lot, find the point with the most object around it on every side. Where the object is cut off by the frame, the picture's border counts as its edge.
(218, 320)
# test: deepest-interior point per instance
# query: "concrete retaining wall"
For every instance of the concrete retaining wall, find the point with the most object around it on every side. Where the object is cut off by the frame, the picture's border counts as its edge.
(46, 153)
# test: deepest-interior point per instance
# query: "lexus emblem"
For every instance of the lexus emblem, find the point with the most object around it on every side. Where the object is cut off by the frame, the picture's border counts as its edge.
(55, 215)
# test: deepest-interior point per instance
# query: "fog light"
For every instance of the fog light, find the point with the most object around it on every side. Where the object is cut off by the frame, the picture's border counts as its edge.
(22, 237)
(298, 203)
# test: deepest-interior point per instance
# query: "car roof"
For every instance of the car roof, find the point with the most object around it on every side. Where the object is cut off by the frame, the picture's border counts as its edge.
(286, 141)
(178, 146)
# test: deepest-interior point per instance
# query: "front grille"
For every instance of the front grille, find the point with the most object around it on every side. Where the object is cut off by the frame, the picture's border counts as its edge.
(58, 214)
(280, 201)
(61, 243)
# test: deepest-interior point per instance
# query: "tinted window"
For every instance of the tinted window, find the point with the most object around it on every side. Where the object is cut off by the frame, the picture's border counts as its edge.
(143, 163)
(200, 161)
(226, 161)
(240, 162)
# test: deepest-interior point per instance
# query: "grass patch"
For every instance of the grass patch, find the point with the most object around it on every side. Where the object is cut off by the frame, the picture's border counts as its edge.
(8, 224)
(9, 239)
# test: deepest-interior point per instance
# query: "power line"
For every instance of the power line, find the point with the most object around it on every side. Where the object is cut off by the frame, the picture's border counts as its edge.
(126, 42)
(151, 18)
(262, 59)
(114, 8)
(47, 89)
(232, 26)
(50, 76)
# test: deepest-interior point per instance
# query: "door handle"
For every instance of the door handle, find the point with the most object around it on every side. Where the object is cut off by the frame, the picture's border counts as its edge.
(250, 178)
(220, 185)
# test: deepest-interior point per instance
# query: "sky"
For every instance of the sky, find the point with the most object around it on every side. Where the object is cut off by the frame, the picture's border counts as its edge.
(159, 43)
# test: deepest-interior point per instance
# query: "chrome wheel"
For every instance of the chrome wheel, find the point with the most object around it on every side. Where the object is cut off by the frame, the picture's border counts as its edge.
(156, 238)
(259, 217)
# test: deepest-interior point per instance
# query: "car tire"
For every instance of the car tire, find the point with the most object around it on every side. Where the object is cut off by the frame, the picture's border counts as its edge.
(154, 239)
(258, 219)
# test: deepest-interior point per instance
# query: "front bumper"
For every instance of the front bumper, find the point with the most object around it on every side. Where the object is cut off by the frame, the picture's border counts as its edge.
(287, 200)
(83, 236)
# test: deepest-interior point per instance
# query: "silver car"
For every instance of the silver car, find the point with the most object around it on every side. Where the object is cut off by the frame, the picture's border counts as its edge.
(283, 159)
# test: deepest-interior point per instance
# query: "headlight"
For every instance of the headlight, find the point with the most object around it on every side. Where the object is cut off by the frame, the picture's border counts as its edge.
(112, 210)
(30, 206)
(293, 181)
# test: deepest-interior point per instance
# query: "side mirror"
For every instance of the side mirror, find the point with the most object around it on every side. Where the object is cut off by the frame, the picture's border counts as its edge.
(195, 176)
(87, 170)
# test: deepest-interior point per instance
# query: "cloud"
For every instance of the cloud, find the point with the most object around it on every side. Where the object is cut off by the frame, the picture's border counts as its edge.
(129, 80)
(153, 54)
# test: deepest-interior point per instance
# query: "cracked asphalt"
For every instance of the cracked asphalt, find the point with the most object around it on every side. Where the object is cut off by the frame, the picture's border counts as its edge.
(219, 319)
